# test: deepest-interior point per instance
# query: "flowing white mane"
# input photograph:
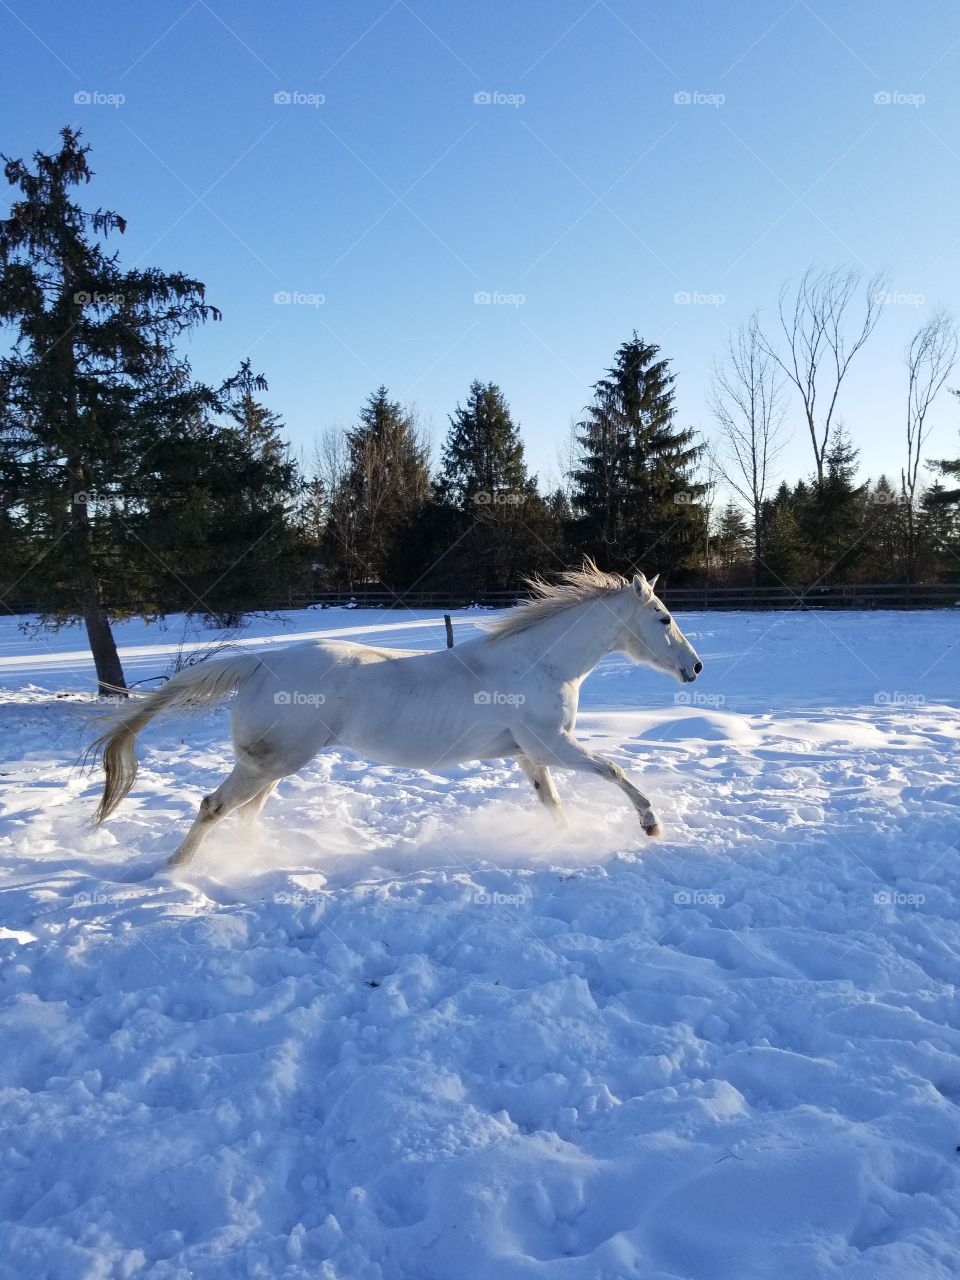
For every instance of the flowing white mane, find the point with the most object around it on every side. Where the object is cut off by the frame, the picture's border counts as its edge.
(550, 598)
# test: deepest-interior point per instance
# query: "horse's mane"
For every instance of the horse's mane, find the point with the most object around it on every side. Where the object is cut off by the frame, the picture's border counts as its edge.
(550, 598)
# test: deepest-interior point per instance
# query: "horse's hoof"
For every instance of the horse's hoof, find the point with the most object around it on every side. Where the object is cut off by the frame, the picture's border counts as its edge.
(654, 829)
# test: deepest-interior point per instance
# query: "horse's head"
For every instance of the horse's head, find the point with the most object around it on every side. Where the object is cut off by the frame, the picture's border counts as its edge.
(653, 639)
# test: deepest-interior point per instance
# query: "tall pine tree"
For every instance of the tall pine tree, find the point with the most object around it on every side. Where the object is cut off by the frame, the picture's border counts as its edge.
(635, 492)
(496, 526)
(385, 486)
(104, 434)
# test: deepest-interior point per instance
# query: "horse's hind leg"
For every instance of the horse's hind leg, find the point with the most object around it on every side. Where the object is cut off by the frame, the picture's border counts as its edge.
(250, 811)
(542, 780)
(242, 786)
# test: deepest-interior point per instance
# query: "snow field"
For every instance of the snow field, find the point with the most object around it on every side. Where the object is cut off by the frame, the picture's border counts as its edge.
(416, 1031)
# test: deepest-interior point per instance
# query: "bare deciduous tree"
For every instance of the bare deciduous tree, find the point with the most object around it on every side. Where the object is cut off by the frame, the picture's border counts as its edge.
(747, 403)
(930, 358)
(822, 339)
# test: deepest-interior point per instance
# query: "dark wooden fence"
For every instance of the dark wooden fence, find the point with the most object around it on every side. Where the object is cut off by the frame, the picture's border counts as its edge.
(847, 596)
(870, 595)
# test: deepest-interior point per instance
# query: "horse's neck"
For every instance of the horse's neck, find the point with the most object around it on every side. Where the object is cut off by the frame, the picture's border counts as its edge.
(574, 641)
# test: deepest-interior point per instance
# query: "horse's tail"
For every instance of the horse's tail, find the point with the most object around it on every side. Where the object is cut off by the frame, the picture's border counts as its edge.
(203, 685)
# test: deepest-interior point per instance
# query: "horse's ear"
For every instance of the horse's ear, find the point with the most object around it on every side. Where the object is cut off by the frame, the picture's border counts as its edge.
(642, 587)
(653, 581)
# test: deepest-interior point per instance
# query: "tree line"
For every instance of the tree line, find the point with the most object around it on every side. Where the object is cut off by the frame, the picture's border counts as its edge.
(132, 488)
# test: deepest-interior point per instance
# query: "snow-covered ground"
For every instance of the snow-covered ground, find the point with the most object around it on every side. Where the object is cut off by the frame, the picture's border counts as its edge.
(418, 1032)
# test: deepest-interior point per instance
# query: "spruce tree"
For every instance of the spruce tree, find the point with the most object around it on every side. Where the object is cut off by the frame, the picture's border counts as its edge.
(733, 544)
(215, 526)
(949, 467)
(498, 528)
(483, 453)
(385, 485)
(634, 484)
(784, 558)
(939, 532)
(105, 435)
(886, 541)
(837, 518)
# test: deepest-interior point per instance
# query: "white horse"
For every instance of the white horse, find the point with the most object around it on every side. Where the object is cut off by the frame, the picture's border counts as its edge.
(510, 692)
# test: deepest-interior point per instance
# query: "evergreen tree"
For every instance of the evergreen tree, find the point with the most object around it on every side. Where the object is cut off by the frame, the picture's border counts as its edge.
(885, 543)
(784, 552)
(385, 485)
(214, 519)
(483, 453)
(949, 467)
(499, 528)
(939, 533)
(733, 544)
(601, 482)
(260, 428)
(312, 516)
(785, 555)
(836, 519)
(634, 486)
(104, 432)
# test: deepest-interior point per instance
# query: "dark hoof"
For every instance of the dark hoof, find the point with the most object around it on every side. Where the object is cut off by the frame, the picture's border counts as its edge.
(654, 831)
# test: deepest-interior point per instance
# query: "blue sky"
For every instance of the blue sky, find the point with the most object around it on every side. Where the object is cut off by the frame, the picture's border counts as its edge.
(584, 195)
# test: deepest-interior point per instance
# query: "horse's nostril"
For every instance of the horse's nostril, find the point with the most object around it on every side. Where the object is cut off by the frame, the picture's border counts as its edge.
(697, 668)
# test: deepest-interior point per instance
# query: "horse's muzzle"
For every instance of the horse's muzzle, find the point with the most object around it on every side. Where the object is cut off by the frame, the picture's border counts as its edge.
(690, 676)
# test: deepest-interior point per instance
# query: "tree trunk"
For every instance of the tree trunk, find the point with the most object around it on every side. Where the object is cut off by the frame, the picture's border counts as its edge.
(110, 677)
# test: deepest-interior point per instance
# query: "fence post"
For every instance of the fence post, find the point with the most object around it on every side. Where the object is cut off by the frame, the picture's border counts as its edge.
(449, 626)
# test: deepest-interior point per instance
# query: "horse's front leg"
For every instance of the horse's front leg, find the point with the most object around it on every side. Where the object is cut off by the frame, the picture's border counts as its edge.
(561, 749)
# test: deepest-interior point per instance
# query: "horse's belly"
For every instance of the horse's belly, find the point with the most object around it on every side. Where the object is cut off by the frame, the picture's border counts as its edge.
(428, 751)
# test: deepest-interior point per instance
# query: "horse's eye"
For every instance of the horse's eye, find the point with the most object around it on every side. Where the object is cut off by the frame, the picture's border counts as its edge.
(665, 621)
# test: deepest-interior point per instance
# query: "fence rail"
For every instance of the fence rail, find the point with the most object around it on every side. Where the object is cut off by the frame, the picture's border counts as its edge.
(846, 596)
(869, 595)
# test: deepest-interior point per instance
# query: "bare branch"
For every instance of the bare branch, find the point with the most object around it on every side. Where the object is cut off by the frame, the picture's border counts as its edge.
(748, 405)
(930, 358)
(821, 341)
